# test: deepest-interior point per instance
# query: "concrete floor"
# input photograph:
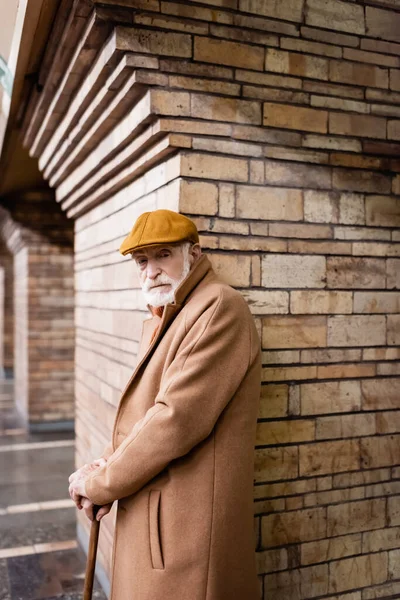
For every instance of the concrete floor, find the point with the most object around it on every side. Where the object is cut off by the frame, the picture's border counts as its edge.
(39, 555)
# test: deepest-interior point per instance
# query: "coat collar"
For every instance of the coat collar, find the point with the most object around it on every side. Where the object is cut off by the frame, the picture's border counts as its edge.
(199, 271)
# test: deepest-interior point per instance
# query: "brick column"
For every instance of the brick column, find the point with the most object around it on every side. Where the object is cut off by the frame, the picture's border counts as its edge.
(21, 306)
(2, 317)
(43, 311)
(6, 261)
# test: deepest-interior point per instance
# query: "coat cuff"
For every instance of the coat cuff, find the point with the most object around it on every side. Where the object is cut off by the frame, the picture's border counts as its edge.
(95, 491)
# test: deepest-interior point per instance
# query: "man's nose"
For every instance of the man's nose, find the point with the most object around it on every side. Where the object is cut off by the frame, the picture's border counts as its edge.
(152, 270)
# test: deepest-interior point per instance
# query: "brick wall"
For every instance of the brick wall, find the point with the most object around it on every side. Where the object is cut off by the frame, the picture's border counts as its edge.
(276, 126)
(21, 369)
(39, 236)
(2, 294)
(51, 334)
(6, 261)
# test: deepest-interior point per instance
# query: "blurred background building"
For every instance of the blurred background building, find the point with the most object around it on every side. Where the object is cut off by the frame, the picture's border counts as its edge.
(276, 127)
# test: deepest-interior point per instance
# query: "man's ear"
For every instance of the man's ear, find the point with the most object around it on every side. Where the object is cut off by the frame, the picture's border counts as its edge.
(195, 251)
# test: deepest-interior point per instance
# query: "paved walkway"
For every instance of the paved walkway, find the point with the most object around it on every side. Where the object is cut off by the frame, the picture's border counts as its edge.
(39, 555)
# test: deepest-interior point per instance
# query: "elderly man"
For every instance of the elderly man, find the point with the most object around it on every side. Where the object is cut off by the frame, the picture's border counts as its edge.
(182, 454)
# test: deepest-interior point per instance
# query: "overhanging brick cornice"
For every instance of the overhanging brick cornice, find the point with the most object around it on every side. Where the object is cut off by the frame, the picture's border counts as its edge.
(83, 38)
(140, 84)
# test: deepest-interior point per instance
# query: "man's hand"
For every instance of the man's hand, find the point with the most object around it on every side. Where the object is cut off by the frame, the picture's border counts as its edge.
(78, 493)
(87, 468)
(77, 480)
(88, 508)
(77, 489)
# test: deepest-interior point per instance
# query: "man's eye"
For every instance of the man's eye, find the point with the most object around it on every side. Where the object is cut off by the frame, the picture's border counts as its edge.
(141, 262)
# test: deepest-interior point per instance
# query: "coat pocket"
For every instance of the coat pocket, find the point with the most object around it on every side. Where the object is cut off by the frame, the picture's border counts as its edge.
(154, 529)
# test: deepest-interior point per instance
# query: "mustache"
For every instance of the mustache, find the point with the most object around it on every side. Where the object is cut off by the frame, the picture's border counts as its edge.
(161, 279)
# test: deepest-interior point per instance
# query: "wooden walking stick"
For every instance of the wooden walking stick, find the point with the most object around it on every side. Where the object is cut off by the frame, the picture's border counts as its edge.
(91, 557)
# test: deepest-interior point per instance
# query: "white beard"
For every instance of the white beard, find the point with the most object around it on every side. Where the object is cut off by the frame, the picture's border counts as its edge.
(157, 297)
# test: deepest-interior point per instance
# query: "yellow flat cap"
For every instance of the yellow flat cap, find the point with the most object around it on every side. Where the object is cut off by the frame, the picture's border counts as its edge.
(159, 227)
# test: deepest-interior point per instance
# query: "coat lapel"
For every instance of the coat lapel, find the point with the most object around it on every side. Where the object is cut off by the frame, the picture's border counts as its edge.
(202, 267)
(170, 311)
(149, 327)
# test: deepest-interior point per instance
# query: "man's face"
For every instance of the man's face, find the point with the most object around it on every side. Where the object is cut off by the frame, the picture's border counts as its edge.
(161, 269)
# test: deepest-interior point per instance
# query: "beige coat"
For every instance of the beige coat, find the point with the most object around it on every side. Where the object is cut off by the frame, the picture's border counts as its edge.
(182, 460)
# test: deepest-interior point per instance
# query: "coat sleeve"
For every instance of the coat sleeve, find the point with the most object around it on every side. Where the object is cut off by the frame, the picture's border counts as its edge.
(197, 386)
(108, 450)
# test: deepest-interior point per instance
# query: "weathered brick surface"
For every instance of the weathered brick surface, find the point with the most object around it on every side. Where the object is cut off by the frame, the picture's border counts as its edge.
(361, 571)
(383, 24)
(370, 57)
(356, 516)
(202, 195)
(395, 79)
(393, 274)
(275, 125)
(359, 126)
(155, 42)
(376, 302)
(383, 211)
(291, 117)
(2, 297)
(358, 180)
(297, 175)
(311, 47)
(320, 302)
(316, 552)
(254, 202)
(356, 273)
(289, 332)
(276, 464)
(279, 61)
(330, 37)
(6, 262)
(325, 458)
(345, 426)
(358, 74)
(339, 103)
(230, 53)
(215, 167)
(357, 330)
(338, 15)
(333, 207)
(270, 434)
(281, 529)
(281, 271)
(393, 330)
(290, 11)
(43, 308)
